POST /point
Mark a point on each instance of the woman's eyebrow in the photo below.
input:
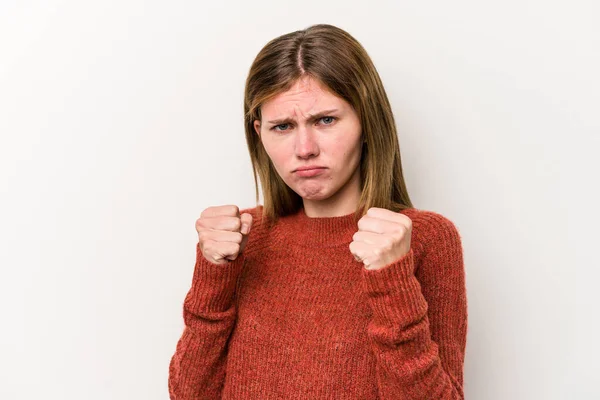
(311, 117)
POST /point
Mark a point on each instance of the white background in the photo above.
(121, 121)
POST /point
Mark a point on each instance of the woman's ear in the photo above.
(257, 126)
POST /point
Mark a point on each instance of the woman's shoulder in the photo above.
(429, 227)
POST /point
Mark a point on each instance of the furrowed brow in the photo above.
(312, 117)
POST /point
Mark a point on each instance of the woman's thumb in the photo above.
(246, 220)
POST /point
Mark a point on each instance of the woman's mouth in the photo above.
(308, 172)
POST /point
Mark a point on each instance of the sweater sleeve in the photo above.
(197, 369)
(419, 323)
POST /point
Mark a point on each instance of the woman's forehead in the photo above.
(306, 97)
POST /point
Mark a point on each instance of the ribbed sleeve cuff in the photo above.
(213, 286)
(394, 292)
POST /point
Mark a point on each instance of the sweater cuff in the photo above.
(394, 292)
(213, 285)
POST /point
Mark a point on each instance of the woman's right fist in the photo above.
(223, 233)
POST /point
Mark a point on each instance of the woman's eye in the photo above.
(328, 118)
(277, 126)
(283, 127)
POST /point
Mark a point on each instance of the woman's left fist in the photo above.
(383, 237)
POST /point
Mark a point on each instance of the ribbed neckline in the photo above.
(318, 231)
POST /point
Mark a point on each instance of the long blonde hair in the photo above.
(337, 60)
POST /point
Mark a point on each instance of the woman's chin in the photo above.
(313, 193)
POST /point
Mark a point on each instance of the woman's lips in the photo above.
(309, 172)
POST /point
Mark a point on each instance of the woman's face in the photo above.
(308, 126)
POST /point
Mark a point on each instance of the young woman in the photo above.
(337, 287)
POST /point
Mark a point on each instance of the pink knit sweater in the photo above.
(295, 316)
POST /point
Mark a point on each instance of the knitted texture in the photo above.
(295, 316)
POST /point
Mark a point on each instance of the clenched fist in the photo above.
(223, 233)
(383, 237)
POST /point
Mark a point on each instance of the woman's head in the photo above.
(308, 126)
(303, 73)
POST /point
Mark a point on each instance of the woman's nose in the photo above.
(306, 143)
